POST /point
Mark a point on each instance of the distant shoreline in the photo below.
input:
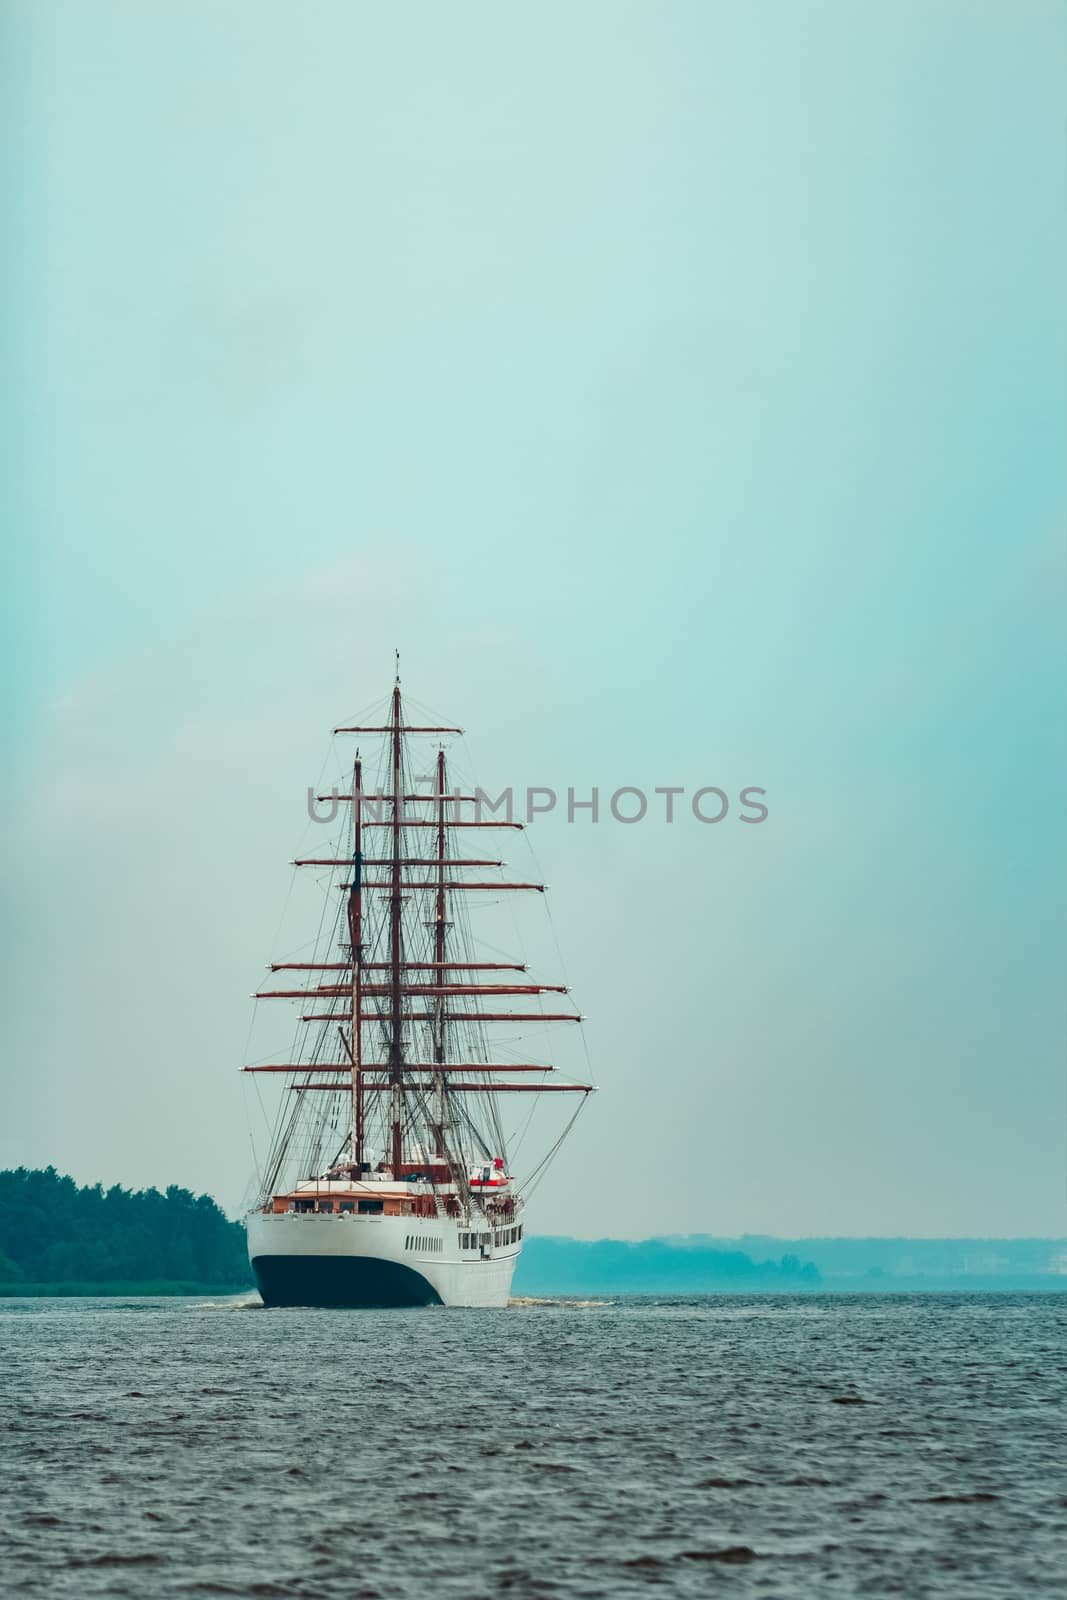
(151, 1288)
(603, 1293)
(59, 1240)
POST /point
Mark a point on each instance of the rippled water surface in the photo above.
(774, 1446)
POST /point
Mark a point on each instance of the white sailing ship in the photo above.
(417, 1204)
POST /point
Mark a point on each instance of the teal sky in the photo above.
(681, 387)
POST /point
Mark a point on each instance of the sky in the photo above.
(681, 389)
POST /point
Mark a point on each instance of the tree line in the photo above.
(53, 1231)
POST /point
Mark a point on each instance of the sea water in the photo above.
(775, 1446)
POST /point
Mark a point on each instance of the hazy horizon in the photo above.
(685, 401)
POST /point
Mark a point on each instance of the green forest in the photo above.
(88, 1240)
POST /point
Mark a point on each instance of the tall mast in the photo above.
(355, 934)
(439, 962)
(396, 955)
(377, 987)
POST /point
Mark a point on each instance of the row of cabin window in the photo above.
(365, 1208)
(471, 1241)
(413, 1242)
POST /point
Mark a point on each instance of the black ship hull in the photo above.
(355, 1281)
